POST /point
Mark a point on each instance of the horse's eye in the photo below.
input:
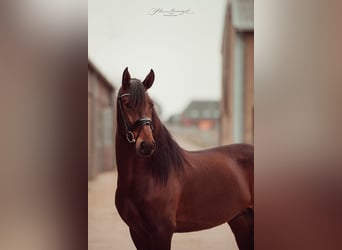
(128, 105)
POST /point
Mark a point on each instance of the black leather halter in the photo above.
(136, 125)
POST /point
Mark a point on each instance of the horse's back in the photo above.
(242, 153)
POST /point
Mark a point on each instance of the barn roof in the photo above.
(99, 74)
(239, 14)
(202, 109)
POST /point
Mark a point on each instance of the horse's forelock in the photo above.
(137, 93)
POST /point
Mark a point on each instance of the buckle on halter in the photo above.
(130, 137)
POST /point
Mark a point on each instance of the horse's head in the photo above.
(136, 109)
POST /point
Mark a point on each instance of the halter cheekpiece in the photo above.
(136, 125)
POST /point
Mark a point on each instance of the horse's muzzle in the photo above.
(146, 149)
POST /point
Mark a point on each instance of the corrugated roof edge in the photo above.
(243, 15)
(229, 14)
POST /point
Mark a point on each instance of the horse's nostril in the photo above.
(143, 145)
(147, 148)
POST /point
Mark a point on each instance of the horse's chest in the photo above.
(133, 211)
(128, 211)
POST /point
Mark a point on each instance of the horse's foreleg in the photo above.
(156, 240)
(243, 229)
(141, 242)
(161, 240)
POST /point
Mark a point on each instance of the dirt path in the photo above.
(106, 231)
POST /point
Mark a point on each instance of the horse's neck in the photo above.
(129, 166)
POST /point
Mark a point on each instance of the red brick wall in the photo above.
(249, 87)
(226, 128)
(101, 155)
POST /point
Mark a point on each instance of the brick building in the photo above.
(101, 125)
(201, 114)
(237, 106)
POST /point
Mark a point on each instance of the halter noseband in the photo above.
(137, 124)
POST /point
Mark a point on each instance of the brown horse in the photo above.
(163, 189)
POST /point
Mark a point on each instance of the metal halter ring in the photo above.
(130, 137)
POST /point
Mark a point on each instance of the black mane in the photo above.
(168, 153)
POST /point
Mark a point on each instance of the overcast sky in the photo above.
(184, 50)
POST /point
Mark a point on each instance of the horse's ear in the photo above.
(149, 79)
(126, 78)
